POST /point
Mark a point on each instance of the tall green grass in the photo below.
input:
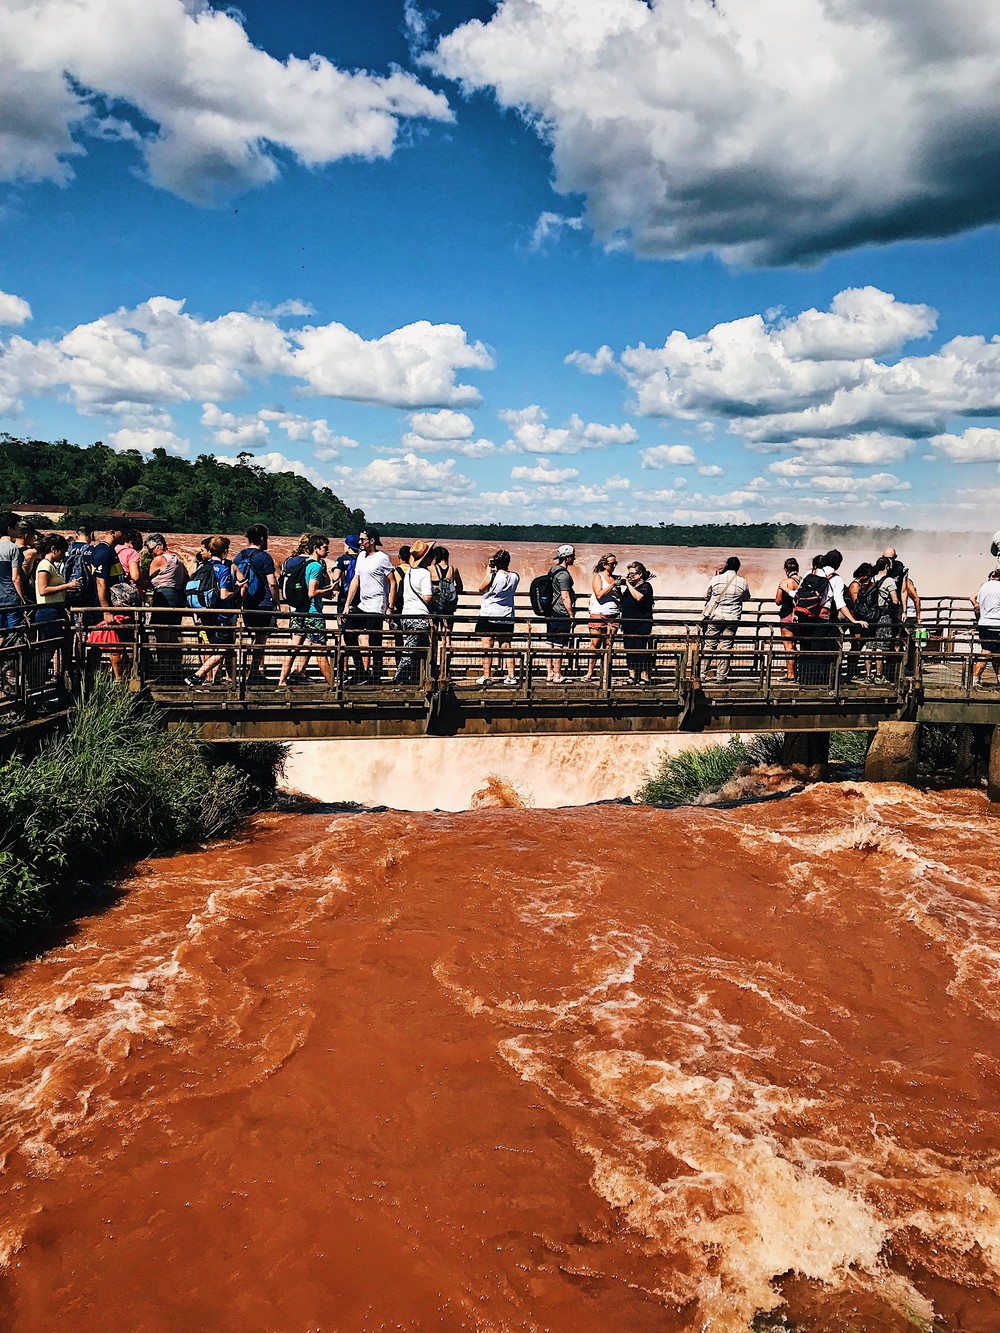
(683, 777)
(114, 786)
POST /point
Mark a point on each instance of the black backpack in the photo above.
(812, 598)
(866, 606)
(444, 597)
(79, 564)
(294, 588)
(542, 595)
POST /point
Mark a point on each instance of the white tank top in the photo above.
(605, 606)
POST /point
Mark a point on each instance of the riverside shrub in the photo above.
(114, 786)
(683, 777)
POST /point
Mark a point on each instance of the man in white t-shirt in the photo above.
(987, 607)
(368, 602)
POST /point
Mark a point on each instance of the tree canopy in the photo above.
(200, 496)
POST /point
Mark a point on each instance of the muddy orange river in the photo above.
(599, 1070)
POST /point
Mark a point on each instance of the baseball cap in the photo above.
(564, 551)
(353, 542)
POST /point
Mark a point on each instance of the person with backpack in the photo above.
(78, 568)
(447, 587)
(418, 595)
(306, 590)
(209, 589)
(257, 582)
(555, 592)
(812, 605)
(859, 601)
(724, 599)
(880, 605)
(906, 591)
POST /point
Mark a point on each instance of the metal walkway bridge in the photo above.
(761, 683)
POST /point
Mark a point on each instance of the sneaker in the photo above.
(485, 680)
(977, 685)
(510, 680)
(193, 682)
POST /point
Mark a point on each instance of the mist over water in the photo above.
(445, 773)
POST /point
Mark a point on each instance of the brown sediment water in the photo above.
(510, 1069)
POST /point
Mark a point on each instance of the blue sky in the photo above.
(542, 260)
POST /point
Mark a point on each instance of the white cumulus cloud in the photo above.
(210, 113)
(978, 444)
(667, 455)
(156, 354)
(414, 366)
(693, 126)
(530, 434)
(14, 310)
(544, 474)
(445, 431)
(148, 438)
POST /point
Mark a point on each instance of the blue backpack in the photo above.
(201, 592)
(255, 589)
(79, 564)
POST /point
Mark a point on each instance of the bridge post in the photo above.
(892, 755)
(806, 749)
(993, 777)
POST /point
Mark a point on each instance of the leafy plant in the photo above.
(117, 784)
(682, 777)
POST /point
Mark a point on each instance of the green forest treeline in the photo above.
(200, 496)
(208, 496)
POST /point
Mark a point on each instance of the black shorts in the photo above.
(989, 637)
(259, 618)
(495, 627)
(559, 630)
(366, 622)
(220, 636)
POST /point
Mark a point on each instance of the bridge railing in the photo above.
(33, 680)
(221, 658)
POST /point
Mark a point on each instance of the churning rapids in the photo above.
(601, 1070)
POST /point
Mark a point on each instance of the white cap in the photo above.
(565, 551)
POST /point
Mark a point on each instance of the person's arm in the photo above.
(911, 592)
(44, 583)
(974, 599)
(456, 574)
(488, 578)
(428, 596)
(778, 596)
(352, 591)
(17, 578)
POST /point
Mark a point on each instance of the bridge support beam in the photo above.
(806, 749)
(993, 776)
(892, 755)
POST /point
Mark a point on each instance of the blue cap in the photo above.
(353, 542)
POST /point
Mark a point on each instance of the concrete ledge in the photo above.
(892, 756)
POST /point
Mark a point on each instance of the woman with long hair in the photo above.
(605, 609)
(785, 599)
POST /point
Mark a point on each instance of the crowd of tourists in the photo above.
(383, 611)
